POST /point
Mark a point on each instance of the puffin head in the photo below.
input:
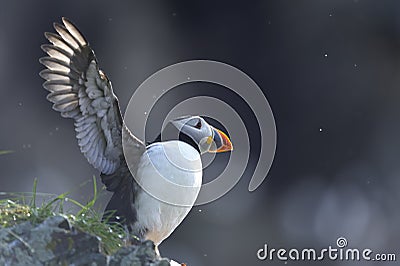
(197, 132)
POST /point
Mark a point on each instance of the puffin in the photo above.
(155, 184)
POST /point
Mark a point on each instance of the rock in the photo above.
(56, 242)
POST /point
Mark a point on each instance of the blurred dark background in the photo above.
(330, 71)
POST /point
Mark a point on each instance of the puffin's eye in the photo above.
(198, 125)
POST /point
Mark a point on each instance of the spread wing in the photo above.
(81, 91)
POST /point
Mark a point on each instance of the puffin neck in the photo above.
(170, 132)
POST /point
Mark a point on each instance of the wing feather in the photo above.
(56, 52)
(56, 64)
(58, 85)
(67, 37)
(74, 32)
(51, 75)
(58, 42)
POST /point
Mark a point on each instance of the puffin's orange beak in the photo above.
(222, 142)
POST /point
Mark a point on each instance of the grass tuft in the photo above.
(87, 219)
(5, 152)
